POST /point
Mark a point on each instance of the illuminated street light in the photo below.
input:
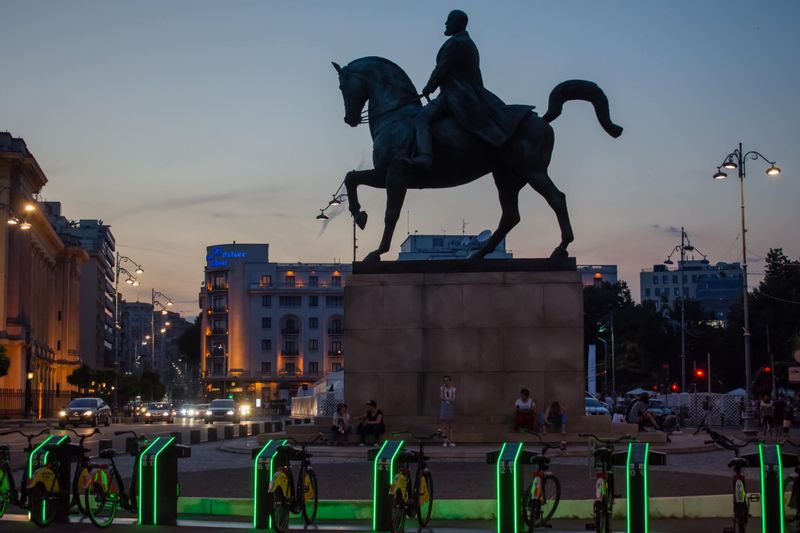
(25, 226)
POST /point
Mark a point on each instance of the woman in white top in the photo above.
(447, 397)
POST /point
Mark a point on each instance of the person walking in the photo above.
(447, 413)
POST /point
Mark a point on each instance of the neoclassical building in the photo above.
(39, 291)
(269, 328)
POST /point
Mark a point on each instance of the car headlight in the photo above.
(229, 413)
(165, 413)
(192, 412)
(183, 412)
(209, 413)
(147, 414)
(88, 413)
(245, 409)
(62, 413)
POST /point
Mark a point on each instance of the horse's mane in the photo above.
(363, 63)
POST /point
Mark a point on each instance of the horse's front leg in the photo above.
(352, 180)
(395, 196)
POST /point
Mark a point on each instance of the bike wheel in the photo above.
(77, 494)
(43, 505)
(280, 511)
(740, 517)
(532, 512)
(424, 499)
(601, 518)
(101, 505)
(5, 491)
(308, 495)
(551, 495)
(398, 523)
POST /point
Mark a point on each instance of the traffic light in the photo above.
(674, 387)
(699, 373)
(767, 369)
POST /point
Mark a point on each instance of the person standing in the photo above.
(447, 398)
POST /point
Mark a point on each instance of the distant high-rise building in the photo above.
(594, 275)
(138, 326)
(97, 287)
(425, 247)
(715, 287)
(269, 328)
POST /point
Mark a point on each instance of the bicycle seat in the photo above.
(108, 453)
(542, 460)
(602, 452)
(738, 461)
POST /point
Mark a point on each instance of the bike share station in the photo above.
(637, 459)
(265, 460)
(158, 480)
(770, 461)
(58, 480)
(382, 479)
(509, 481)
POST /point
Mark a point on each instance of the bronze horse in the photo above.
(459, 157)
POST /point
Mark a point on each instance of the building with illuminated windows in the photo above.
(269, 328)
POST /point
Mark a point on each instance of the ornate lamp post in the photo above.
(339, 198)
(129, 280)
(733, 161)
(154, 300)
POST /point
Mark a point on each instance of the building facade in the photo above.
(40, 282)
(715, 287)
(269, 328)
(97, 286)
(419, 247)
(596, 275)
(138, 324)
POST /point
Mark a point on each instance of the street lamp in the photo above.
(737, 160)
(156, 298)
(130, 280)
(337, 199)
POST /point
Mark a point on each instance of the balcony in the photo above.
(218, 331)
(290, 353)
(216, 310)
(335, 353)
(336, 331)
(290, 331)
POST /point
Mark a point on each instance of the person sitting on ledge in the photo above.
(340, 428)
(554, 419)
(524, 411)
(638, 413)
(371, 424)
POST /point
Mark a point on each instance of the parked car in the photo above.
(159, 412)
(659, 410)
(222, 410)
(593, 406)
(90, 411)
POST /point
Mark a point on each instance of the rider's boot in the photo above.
(424, 161)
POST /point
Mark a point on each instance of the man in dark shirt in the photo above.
(371, 424)
(638, 413)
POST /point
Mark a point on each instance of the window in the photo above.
(266, 301)
(675, 291)
(219, 304)
(658, 292)
(266, 279)
(290, 348)
(266, 322)
(219, 281)
(289, 301)
(438, 242)
(289, 368)
(290, 280)
(675, 278)
(313, 345)
(313, 301)
(313, 367)
(336, 281)
(290, 326)
(217, 369)
(313, 281)
(59, 316)
(655, 280)
(58, 345)
(266, 345)
(647, 293)
(336, 327)
(335, 367)
(266, 367)
(313, 323)
(220, 326)
(665, 279)
(336, 348)
(218, 350)
(334, 301)
(694, 278)
(684, 278)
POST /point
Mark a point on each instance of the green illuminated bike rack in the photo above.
(509, 482)
(770, 462)
(639, 457)
(382, 477)
(58, 445)
(158, 481)
(265, 459)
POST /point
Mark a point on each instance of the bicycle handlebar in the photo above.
(29, 437)
(790, 443)
(320, 436)
(723, 441)
(85, 435)
(608, 441)
(437, 433)
(118, 433)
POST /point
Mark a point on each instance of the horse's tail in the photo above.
(581, 90)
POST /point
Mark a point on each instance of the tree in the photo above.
(5, 361)
(151, 387)
(81, 377)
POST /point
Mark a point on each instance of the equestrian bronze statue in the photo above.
(460, 136)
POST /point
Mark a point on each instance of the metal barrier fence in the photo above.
(317, 405)
(12, 402)
(726, 409)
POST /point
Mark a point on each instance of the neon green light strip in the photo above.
(391, 461)
(272, 473)
(780, 488)
(628, 486)
(141, 454)
(255, 481)
(33, 453)
(155, 478)
(763, 499)
(44, 460)
(516, 497)
(48, 452)
(497, 482)
(375, 487)
(646, 495)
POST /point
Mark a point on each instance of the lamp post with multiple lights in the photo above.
(130, 279)
(737, 160)
(155, 300)
(337, 199)
(13, 219)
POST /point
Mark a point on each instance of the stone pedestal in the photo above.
(516, 324)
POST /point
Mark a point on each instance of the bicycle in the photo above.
(412, 498)
(8, 489)
(604, 494)
(741, 501)
(80, 478)
(105, 491)
(541, 497)
(288, 497)
(46, 496)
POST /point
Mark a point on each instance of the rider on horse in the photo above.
(463, 96)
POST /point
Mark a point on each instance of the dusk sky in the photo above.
(189, 123)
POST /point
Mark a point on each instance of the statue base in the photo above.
(504, 326)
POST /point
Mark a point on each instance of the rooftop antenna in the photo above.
(463, 227)
(408, 222)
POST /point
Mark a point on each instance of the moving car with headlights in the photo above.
(159, 412)
(188, 410)
(90, 411)
(222, 410)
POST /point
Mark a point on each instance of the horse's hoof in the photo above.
(360, 219)
(559, 253)
(372, 257)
